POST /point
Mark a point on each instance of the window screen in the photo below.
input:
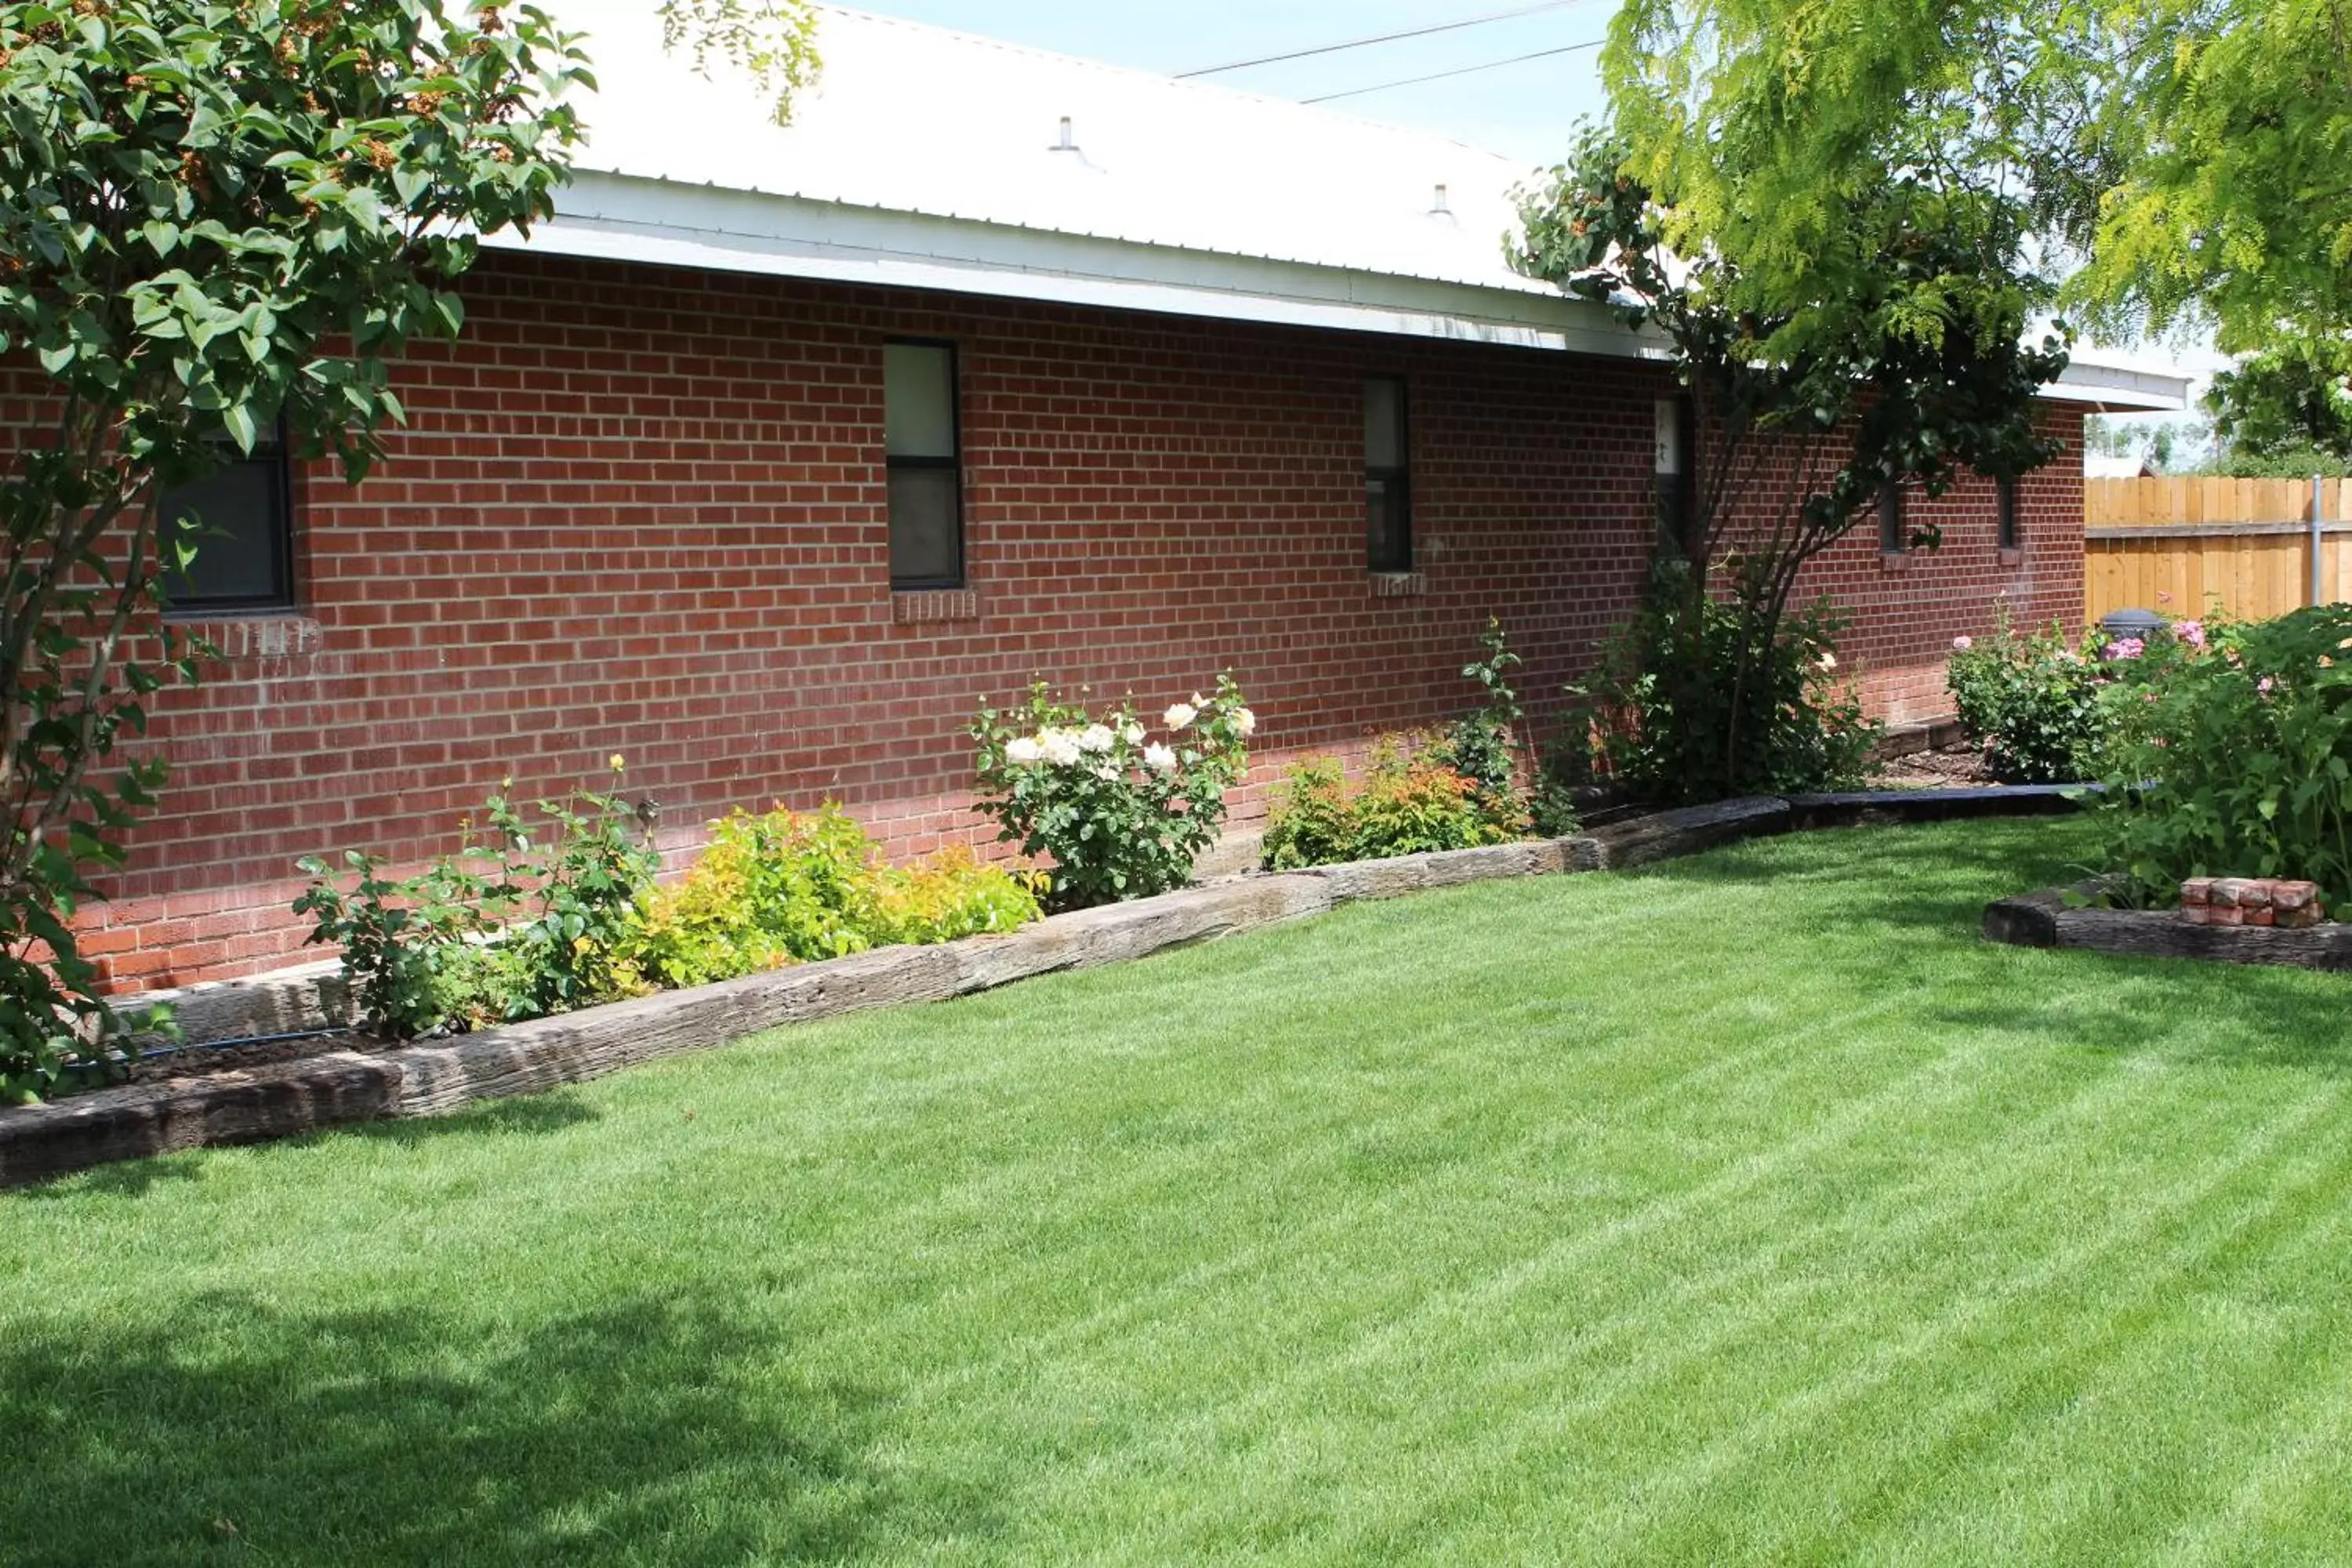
(918, 393)
(2005, 512)
(1894, 532)
(244, 543)
(1388, 481)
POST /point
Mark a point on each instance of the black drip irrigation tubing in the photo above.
(156, 1052)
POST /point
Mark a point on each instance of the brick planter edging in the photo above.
(2043, 920)
(283, 1099)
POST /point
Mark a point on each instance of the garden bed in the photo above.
(347, 1079)
(2056, 917)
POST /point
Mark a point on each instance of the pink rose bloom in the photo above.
(1962, 644)
(2191, 632)
(2265, 686)
(2124, 647)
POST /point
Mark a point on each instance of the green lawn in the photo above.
(1752, 1210)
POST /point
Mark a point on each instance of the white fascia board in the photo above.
(2119, 389)
(624, 219)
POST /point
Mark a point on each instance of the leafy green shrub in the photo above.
(1668, 717)
(531, 922)
(1122, 816)
(793, 887)
(1313, 819)
(1408, 804)
(2032, 702)
(2231, 755)
(1483, 746)
(1552, 810)
(567, 895)
(409, 958)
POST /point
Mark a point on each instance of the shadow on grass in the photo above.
(641, 1430)
(555, 1111)
(1936, 877)
(526, 1115)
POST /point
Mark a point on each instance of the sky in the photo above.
(1523, 110)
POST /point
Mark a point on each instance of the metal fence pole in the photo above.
(2318, 576)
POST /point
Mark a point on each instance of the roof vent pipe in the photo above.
(1437, 206)
(1068, 143)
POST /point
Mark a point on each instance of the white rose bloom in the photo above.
(1246, 722)
(1159, 758)
(1061, 747)
(1134, 733)
(1095, 737)
(1023, 750)
(1107, 772)
(1180, 715)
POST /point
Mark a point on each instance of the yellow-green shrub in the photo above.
(791, 886)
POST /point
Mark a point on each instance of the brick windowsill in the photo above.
(921, 606)
(286, 635)
(1398, 585)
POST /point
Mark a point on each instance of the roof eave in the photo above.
(623, 217)
(630, 218)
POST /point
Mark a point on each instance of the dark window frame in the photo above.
(2007, 532)
(283, 596)
(1678, 493)
(952, 464)
(1893, 527)
(1396, 481)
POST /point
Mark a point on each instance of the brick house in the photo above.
(783, 449)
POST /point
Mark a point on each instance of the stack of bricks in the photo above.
(2249, 901)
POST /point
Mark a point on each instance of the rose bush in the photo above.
(2230, 755)
(1123, 816)
(2032, 701)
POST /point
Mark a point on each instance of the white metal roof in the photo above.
(934, 159)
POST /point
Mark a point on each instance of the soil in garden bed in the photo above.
(1954, 767)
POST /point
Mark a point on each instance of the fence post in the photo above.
(2318, 572)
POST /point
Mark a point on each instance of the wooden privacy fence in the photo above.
(2180, 545)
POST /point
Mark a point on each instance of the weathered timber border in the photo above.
(284, 1099)
(2043, 920)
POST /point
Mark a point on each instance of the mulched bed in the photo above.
(1957, 767)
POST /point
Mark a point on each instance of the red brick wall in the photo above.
(641, 511)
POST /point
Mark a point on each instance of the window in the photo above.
(2005, 512)
(1894, 535)
(1388, 482)
(245, 547)
(1673, 421)
(920, 442)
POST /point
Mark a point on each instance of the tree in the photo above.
(2225, 140)
(215, 219)
(2183, 159)
(1899, 360)
(774, 40)
(2286, 407)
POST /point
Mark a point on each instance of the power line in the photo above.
(1462, 70)
(1383, 38)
